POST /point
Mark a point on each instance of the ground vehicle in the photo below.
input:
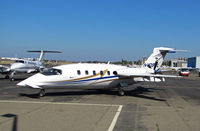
(184, 72)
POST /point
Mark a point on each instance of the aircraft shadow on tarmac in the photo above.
(137, 92)
(16, 79)
(141, 91)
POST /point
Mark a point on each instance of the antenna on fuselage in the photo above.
(42, 52)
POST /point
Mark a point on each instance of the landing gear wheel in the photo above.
(12, 79)
(7, 77)
(121, 92)
(42, 93)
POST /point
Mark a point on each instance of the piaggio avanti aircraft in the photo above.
(99, 76)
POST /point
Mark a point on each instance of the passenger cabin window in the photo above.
(94, 72)
(108, 72)
(19, 61)
(115, 72)
(32, 63)
(101, 72)
(86, 72)
(78, 72)
(52, 71)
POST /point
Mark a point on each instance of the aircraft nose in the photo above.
(15, 66)
(31, 81)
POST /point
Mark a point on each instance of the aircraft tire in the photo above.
(121, 92)
(12, 79)
(42, 93)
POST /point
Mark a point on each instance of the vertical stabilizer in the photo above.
(154, 62)
(41, 55)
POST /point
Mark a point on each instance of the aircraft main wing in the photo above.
(146, 75)
(4, 69)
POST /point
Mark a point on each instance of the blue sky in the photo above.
(98, 29)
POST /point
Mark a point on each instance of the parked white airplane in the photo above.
(25, 65)
(99, 76)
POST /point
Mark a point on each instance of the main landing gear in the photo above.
(121, 91)
(42, 92)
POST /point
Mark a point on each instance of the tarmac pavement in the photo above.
(173, 105)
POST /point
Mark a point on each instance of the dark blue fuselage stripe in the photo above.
(96, 78)
(79, 81)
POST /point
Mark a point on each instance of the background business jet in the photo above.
(25, 65)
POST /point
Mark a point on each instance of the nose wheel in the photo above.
(42, 93)
(11, 76)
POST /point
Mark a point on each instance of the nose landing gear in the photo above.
(121, 87)
(11, 75)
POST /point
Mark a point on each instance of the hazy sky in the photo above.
(98, 29)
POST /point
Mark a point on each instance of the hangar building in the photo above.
(194, 62)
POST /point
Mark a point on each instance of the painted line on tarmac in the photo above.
(114, 121)
(61, 103)
(112, 125)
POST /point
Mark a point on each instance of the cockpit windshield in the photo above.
(19, 61)
(52, 71)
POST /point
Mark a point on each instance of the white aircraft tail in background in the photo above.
(42, 52)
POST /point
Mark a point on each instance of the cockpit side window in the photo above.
(52, 71)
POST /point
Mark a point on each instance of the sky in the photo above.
(104, 30)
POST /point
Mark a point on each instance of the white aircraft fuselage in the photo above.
(26, 66)
(87, 76)
(81, 75)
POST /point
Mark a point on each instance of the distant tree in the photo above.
(139, 62)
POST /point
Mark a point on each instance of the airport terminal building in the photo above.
(194, 62)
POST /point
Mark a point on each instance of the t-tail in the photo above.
(155, 60)
(42, 52)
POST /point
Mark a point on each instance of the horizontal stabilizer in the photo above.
(44, 51)
(182, 50)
